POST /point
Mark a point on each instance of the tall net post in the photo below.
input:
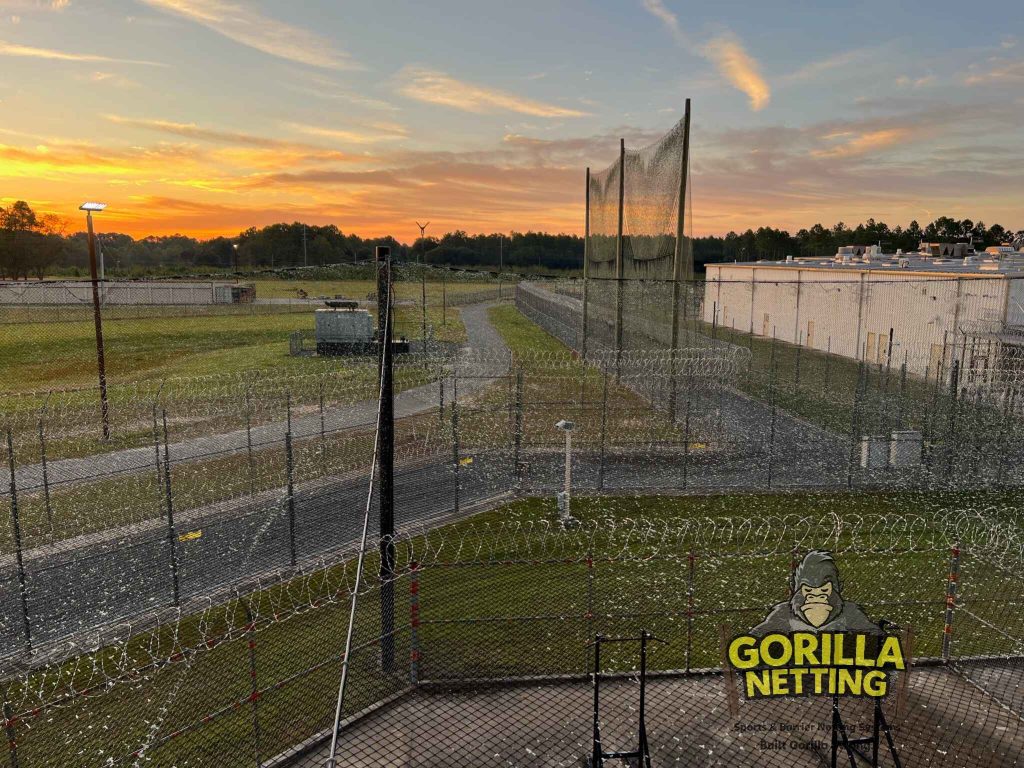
(386, 462)
(586, 260)
(677, 259)
(618, 260)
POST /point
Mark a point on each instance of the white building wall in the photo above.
(852, 312)
(112, 292)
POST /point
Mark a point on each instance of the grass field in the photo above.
(492, 618)
(157, 343)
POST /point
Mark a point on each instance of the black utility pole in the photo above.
(386, 460)
(101, 364)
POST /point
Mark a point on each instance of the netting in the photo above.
(651, 210)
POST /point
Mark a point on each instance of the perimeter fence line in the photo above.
(203, 492)
(225, 683)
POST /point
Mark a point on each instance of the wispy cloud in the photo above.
(740, 69)
(725, 52)
(670, 20)
(1000, 71)
(248, 26)
(27, 51)
(815, 69)
(369, 134)
(864, 143)
(439, 88)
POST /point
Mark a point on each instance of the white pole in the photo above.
(568, 465)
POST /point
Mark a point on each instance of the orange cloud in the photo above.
(26, 51)
(247, 26)
(740, 69)
(439, 88)
(864, 142)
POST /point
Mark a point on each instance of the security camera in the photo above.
(566, 426)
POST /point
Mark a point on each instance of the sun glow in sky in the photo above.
(206, 117)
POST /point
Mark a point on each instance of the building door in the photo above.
(765, 325)
(870, 350)
(810, 334)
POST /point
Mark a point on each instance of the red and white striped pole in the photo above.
(952, 584)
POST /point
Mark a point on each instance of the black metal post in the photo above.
(954, 394)
(12, 742)
(828, 362)
(518, 428)
(172, 536)
(423, 293)
(46, 476)
(386, 459)
(771, 441)
(18, 551)
(101, 365)
(290, 467)
(248, 442)
(323, 428)
(686, 424)
(604, 429)
(254, 688)
(619, 256)
(456, 449)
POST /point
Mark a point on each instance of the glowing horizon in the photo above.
(262, 121)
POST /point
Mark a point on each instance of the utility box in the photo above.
(874, 452)
(906, 448)
(341, 329)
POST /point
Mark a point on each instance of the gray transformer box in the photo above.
(343, 331)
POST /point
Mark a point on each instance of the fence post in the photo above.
(323, 428)
(854, 425)
(254, 688)
(444, 300)
(440, 401)
(590, 603)
(952, 586)
(46, 477)
(954, 387)
(248, 440)
(828, 362)
(414, 622)
(290, 462)
(604, 430)
(19, 554)
(796, 373)
(686, 425)
(771, 439)
(691, 564)
(423, 293)
(518, 433)
(172, 536)
(455, 436)
(12, 743)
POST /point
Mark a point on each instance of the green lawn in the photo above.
(518, 603)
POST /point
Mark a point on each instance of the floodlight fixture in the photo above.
(565, 425)
(91, 207)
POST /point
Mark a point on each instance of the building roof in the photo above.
(903, 265)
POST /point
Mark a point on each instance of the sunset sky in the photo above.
(205, 117)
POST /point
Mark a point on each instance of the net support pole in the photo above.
(679, 270)
(586, 259)
(619, 267)
(386, 461)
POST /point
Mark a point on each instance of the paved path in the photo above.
(481, 335)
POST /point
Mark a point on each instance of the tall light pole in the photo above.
(423, 236)
(305, 256)
(97, 317)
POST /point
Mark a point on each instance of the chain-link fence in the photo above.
(179, 594)
(175, 327)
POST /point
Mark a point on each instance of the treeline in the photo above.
(32, 245)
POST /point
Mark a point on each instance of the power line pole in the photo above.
(305, 256)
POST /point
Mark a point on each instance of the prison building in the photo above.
(125, 292)
(884, 309)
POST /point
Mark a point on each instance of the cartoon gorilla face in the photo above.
(817, 591)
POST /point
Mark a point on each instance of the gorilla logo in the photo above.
(817, 604)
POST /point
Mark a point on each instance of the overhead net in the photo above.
(650, 207)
